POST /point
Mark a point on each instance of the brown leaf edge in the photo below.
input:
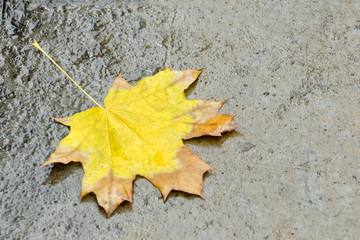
(187, 178)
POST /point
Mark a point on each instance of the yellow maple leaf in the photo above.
(140, 132)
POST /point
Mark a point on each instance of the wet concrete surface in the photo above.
(290, 70)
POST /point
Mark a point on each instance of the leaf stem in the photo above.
(38, 47)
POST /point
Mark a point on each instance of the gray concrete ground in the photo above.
(291, 72)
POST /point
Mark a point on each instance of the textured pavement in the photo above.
(291, 72)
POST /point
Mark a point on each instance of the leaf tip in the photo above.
(202, 196)
(196, 73)
(111, 210)
(223, 102)
(44, 164)
(234, 124)
(120, 83)
(83, 195)
(65, 121)
(210, 168)
(165, 195)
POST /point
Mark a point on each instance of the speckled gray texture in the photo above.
(291, 72)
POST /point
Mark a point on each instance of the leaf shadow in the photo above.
(124, 207)
(60, 172)
(191, 88)
(213, 140)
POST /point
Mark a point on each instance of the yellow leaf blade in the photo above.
(141, 132)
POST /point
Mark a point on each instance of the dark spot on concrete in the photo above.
(246, 146)
(281, 110)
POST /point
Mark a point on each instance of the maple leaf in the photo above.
(140, 132)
